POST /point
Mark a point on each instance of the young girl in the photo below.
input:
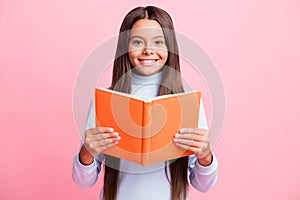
(146, 65)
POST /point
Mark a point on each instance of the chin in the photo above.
(147, 71)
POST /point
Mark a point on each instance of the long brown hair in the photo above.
(171, 83)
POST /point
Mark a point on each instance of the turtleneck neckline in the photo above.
(141, 79)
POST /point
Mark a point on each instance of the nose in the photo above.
(148, 50)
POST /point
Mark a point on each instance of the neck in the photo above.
(142, 79)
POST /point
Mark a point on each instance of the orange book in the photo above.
(147, 128)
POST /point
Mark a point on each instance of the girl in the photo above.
(146, 65)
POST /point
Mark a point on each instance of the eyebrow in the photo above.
(155, 37)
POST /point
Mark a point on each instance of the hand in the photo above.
(197, 141)
(96, 141)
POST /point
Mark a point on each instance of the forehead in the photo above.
(146, 28)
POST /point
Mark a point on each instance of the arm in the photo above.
(203, 165)
(87, 163)
(86, 176)
(203, 178)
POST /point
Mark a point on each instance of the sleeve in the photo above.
(86, 176)
(202, 178)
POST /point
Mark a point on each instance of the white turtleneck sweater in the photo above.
(138, 182)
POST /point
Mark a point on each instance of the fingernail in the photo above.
(175, 140)
(111, 129)
(118, 138)
(116, 133)
(176, 135)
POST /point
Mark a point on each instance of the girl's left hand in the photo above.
(197, 141)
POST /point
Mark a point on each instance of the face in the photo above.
(147, 48)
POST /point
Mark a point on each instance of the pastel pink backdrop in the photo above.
(254, 44)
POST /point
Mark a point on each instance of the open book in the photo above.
(147, 128)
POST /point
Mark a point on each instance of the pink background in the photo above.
(254, 44)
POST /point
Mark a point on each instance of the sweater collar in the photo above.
(152, 79)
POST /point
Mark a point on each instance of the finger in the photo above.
(103, 143)
(186, 147)
(96, 150)
(189, 143)
(101, 136)
(104, 129)
(93, 131)
(183, 146)
(102, 148)
(187, 130)
(195, 150)
(108, 141)
(193, 130)
(189, 136)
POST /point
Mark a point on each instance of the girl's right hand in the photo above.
(96, 141)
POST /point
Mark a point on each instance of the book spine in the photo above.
(146, 140)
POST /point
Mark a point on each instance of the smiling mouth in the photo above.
(147, 61)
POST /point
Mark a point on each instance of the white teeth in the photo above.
(148, 61)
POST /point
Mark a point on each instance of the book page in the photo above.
(125, 116)
(176, 112)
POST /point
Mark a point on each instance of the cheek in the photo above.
(132, 55)
(164, 55)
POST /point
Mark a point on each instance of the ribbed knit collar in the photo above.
(152, 79)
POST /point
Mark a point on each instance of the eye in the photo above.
(159, 42)
(137, 42)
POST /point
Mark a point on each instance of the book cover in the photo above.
(147, 128)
